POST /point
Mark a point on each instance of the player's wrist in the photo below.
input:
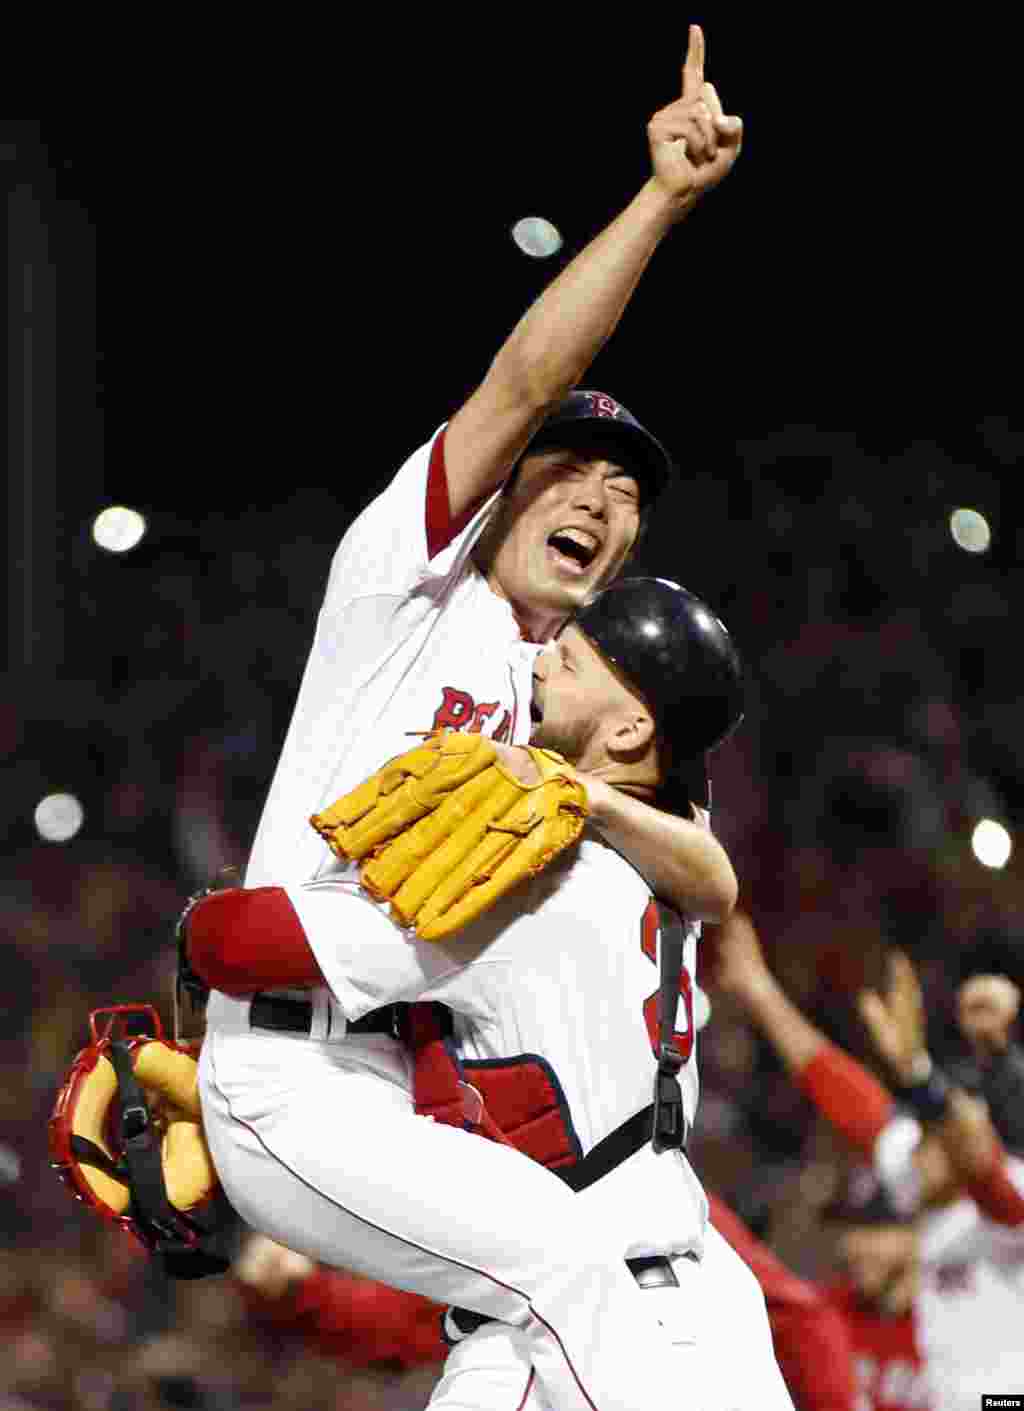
(601, 800)
(918, 1068)
(923, 1088)
(662, 207)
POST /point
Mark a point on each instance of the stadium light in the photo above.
(118, 529)
(991, 843)
(58, 817)
(970, 531)
(537, 237)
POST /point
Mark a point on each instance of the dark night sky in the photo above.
(302, 266)
(284, 260)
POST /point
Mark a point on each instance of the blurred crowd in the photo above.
(881, 727)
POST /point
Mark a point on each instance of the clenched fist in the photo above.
(693, 142)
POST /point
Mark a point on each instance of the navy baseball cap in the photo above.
(584, 415)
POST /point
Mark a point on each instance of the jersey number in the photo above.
(682, 1038)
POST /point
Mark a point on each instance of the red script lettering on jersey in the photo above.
(459, 711)
(682, 1038)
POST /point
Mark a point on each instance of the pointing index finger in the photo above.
(693, 65)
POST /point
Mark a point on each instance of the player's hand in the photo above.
(987, 1008)
(269, 1268)
(736, 960)
(897, 1024)
(693, 143)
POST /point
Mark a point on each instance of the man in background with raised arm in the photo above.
(934, 1151)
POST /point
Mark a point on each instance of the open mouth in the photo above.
(574, 549)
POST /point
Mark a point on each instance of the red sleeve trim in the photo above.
(441, 528)
(995, 1194)
(247, 939)
(847, 1095)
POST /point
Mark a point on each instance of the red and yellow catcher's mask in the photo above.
(126, 1137)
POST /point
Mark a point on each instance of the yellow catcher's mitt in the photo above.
(445, 829)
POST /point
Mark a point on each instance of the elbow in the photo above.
(714, 899)
(722, 898)
(530, 378)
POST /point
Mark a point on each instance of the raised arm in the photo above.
(962, 1123)
(843, 1090)
(693, 145)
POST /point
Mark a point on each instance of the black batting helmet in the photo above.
(680, 657)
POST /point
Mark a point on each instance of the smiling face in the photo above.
(562, 531)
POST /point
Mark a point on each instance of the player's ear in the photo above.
(630, 734)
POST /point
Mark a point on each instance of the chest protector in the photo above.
(519, 1100)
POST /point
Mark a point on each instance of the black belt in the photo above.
(286, 1015)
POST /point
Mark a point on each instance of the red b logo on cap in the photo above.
(602, 405)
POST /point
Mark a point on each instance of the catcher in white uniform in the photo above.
(555, 997)
(430, 597)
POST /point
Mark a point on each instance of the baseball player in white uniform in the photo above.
(431, 595)
(574, 978)
(562, 978)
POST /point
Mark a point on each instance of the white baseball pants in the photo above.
(327, 1156)
(716, 1321)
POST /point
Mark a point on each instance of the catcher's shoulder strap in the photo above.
(663, 1122)
(671, 1129)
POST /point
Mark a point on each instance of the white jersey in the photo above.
(565, 967)
(405, 642)
(576, 981)
(313, 1131)
(971, 1305)
(574, 977)
(970, 1309)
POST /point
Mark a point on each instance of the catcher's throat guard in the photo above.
(126, 1138)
